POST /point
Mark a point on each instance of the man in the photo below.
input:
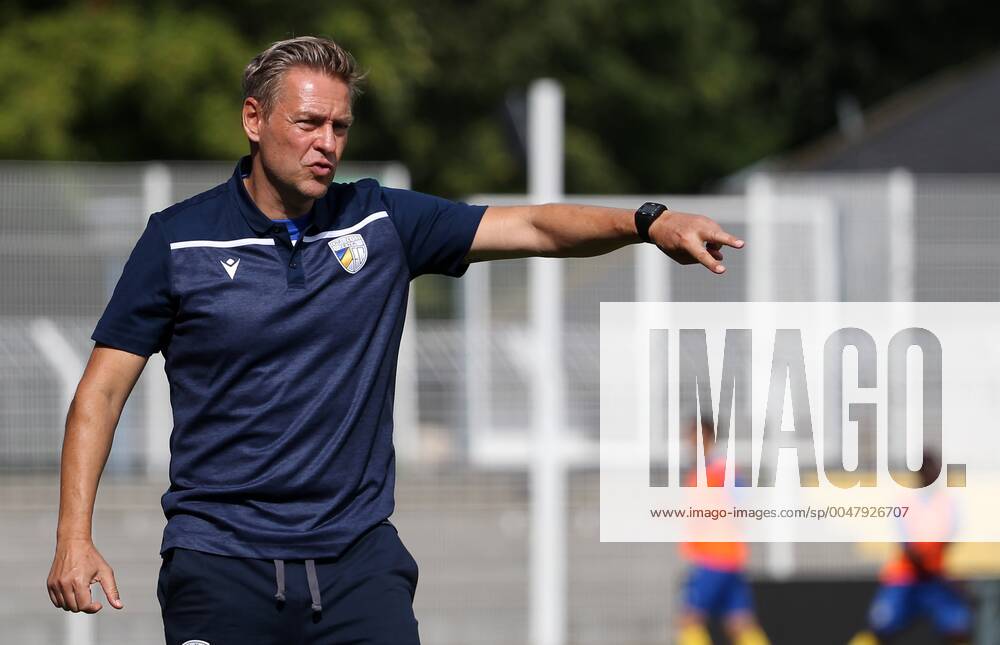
(716, 585)
(914, 583)
(278, 301)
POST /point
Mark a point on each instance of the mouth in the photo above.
(321, 169)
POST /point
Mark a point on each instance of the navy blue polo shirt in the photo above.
(281, 359)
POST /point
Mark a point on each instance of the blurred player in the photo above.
(716, 585)
(914, 583)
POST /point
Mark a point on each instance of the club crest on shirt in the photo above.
(351, 251)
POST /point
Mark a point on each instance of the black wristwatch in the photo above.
(645, 216)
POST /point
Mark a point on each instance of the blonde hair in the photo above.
(262, 76)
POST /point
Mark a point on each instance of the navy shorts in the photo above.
(363, 596)
(715, 593)
(896, 606)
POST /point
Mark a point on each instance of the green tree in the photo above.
(119, 84)
(660, 96)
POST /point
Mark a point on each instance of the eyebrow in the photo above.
(316, 116)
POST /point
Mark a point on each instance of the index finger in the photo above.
(719, 236)
(110, 587)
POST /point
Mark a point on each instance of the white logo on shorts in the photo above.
(196, 642)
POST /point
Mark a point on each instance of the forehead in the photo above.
(304, 88)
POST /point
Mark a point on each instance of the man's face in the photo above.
(302, 138)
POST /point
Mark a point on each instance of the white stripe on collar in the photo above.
(268, 241)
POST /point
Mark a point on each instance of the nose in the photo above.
(326, 139)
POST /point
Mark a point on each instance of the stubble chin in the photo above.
(315, 188)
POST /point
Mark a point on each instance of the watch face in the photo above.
(652, 208)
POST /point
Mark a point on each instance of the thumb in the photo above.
(107, 579)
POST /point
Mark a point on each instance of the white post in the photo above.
(476, 321)
(156, 188)
(406, 413)
(652, 274)
(902, 206)
(761, 205)
(68, 366)
(406, 407)
(548, 479)
(652, 284)
(760, 238)
(902, 197)
(57, 351)
(826, 252)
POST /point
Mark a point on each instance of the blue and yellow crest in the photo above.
(351, 252)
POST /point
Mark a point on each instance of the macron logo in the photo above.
(230, 265)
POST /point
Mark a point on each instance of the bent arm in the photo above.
(571, 230)
(90, 427)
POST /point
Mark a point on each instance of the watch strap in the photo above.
(645, 215)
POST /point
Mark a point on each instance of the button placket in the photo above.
(296, 277)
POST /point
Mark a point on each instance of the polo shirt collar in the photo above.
(256, 219)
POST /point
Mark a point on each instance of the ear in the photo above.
(253, 119)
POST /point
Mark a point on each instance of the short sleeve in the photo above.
(436, 233)
(139, 317)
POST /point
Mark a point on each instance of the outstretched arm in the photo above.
(570, 230)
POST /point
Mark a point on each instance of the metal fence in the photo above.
(466, 408)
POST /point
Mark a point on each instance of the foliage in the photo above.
(660, 96)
